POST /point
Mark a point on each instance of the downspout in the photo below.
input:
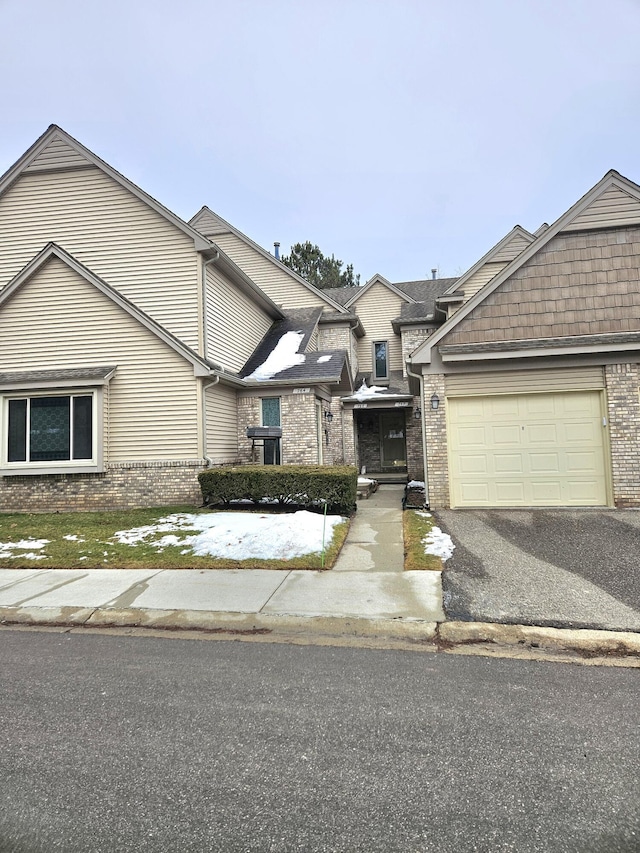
(205, 264)
(213, 382)
(424, 441)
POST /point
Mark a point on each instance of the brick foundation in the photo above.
(122, 486)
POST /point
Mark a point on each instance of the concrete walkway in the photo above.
(375, 542)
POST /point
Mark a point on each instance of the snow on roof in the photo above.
(284, 355)
(368, 392)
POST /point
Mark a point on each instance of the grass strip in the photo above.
(415, 526)
(93, 546)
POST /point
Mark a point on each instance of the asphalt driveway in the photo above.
(563, 568)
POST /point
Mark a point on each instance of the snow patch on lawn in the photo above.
(438, 543)
(29, 545)
(237, 535)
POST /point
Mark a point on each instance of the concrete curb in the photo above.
(584, 642)
(414, 630)
(476, 637)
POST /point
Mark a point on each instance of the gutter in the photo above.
(424, 440)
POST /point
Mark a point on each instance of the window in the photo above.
(50, 432)
(380, 360)
(271, 417)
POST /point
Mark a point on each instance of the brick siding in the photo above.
(623, 401)
(122, 486)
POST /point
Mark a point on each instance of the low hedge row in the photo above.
(306, 486)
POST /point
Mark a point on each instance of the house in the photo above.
(137, 348)
(534, 375)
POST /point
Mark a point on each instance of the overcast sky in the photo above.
(399, 135)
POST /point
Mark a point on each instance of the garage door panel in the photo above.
(474, 494)
(544, 463)
(542, 433)
(544, 449)
(509, 434)
(472, 464)
(509, 493)
(507, 463)
(545, 492)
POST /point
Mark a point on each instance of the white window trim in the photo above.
(73, 466)
(373, 354)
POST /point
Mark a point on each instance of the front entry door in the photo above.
(393, 444)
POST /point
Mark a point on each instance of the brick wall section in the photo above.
(333, 453)
(622, 381)
(122, 486)
(435, 427)
(578, 284)
(298, 419)
(299, 429)
(415, 459)
(411, 340)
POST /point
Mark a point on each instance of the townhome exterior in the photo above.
(137, 349)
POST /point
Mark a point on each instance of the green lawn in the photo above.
(95, 548)
(415, 528)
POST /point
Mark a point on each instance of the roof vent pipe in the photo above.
(434, 273)
(276, 247)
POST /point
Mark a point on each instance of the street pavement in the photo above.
(565, 568)
(150, 744)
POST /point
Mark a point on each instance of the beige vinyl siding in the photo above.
(613, 207)
(222, 424)
(108, 229)
(312, 346)
(511, 249)
(525, 381)
(59, 320)
(235, 324)
(481, 277)
(282, 288)
(58, 154)
(376, 308)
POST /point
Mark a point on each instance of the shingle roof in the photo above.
(318, 366)
(66, 376)
(424, 290)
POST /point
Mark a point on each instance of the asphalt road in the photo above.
(564, 568)
(112, 743)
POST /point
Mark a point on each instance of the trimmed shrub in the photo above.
(302, 486)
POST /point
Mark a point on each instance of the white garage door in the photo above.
(527, 450)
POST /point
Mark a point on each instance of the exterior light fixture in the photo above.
(417, 413)
(328, 415)
(435, 401)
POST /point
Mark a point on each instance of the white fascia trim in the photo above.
(612, 178)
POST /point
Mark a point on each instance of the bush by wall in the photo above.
(306, 486)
